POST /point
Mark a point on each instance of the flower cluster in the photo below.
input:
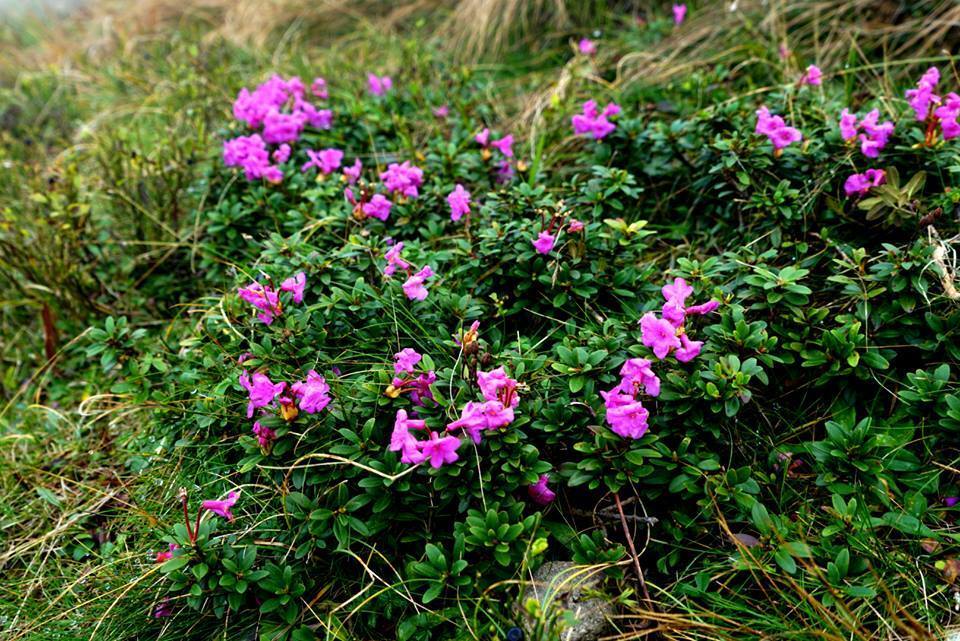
(405, 178)
(590, 121)
(267, 299)
(626, 414)
(875, 134)
(326, 161)
(459, 201)
(407, 379)
(415, 285)
(934, 110)
(776, 130)
(280, 109)
(860, 184)
(310, 395)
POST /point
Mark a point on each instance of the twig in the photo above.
(633, 552)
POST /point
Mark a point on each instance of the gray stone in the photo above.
(560, 586)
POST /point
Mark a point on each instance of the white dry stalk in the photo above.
(945, 258)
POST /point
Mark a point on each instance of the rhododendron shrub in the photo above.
(436, 355)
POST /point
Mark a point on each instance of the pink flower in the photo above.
(394, 261)
(637, 373)
(922, 98)
(459, 201)
(848, 125)
(313, 393)
(775, 129)
(594, 123)
(413, 287)
(265, 435)
(544, 242)
(295, 285)
(281, 154)
(504, 145)
(678, 290)
(377, 207)
(813, 76)
(860, 184)
(353, 172)
(222, 508)
(947, 114)
(659, 335)
(406, 360)
(477, 417)
(442, 111)
(497, 386)
(587, 47)
(401, 440)
(166, 555)
(483, 138)
(615, 398)
(264, 298)
(250, 154)
(319, 88)
(679, 13)
(261, 390)
(702, 309)
(440, 450)
(574, 226)
(628, 420)
(540, 493)
(280, 127)
(405, 178)
(327, 160)
(689, 349)
(420, 387)
(379, 85)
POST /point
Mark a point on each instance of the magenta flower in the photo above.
(406, 360)
(327, 160)
(860, 184)
(352, 172)
(295, 285)
(679, 13)
(313, 393)
(281, 154)
(505, 171)
(377, 207)
(260, 389)
(420, 387)
(459, 201)
(539, 492)
(442, 111)
(679, 290)
(848, 125)
(405, 178)
(587, 47)
(483, 138)
(477, 417)
(265, 435)
(264, 298)
(703, 309)
(689, 349)
(250, 154)
(947, 115)
(280, 127)
(544, 242)
(776, 130)
(504, 145)
(574, 226)
(589, 121)
(628, 420)
(659, 335)
(637, 373)
(379, 85)
(413, 287)
(440, 450)
(951, 501)
(319, 88)
(922, 98)
(222, 508)
(394, 261)
(813, 76)
(164, 608)
(401, 440)
(497, 386)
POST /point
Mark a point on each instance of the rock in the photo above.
(559, 586)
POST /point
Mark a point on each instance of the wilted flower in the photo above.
(265, 435)
(540, 493)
